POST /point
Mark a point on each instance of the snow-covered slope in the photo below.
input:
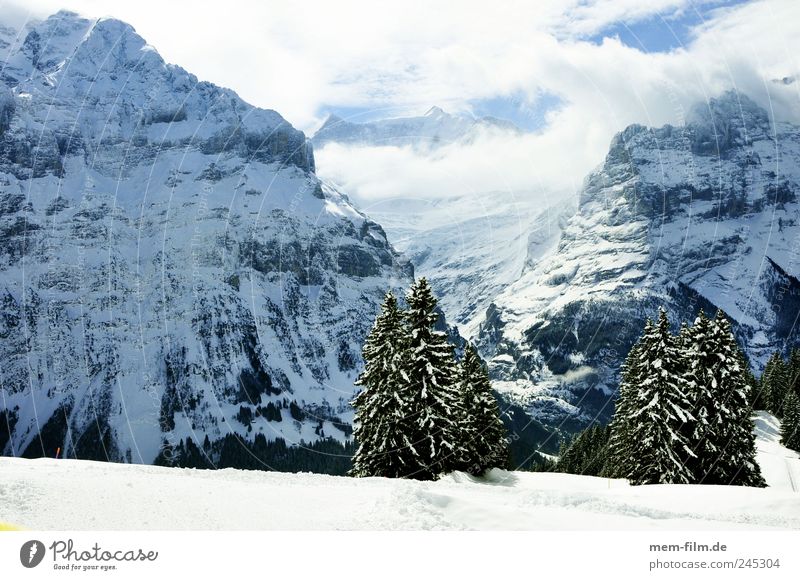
(429, 131)
(779, 466)
(471, 247)
(123, 497)
(170, 265)
(700, 216)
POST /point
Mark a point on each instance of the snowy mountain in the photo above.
(470, 247)
(113, 495)
(433, 129)
(699, 216)
(170, 265)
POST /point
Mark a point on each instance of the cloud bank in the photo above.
(301, 58)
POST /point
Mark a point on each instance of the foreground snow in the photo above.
(779, 466)
(85, 495)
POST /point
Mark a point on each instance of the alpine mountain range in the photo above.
(172, 267)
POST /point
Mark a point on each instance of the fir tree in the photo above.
(586, 454)
(793, 371)
(761, 397)
(379, 411)
(620, 445)
(700, 355)
(683, 412)
(660, 409)
(482, 427)
(722, 439)
(431, 405)
(775, 382)
(790, 426)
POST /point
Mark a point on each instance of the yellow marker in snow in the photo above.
(8, 527)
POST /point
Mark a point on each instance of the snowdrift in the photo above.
(87, 495)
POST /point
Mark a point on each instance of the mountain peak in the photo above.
(232, 188)
(73, 58)
(51, 41)
(730, 105)
(436, 112)
(726, 120)
(114, 26)
(712, 128)
(331, 121)
(65, 14)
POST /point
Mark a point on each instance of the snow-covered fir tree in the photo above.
(660, 409)
(683, 414)
(700, 363)
(790, 426)
(378, 425)
(620, 445)
(722, 438)
(482, 426)
(433, 408)
(775, 384)
(421, 414)
(740, 453)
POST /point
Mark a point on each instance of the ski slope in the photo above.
(780, 466)
(84, 495)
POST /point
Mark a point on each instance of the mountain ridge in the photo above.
(172, 267)
(701, 215)
(436, 128)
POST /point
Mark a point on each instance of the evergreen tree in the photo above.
(431, 406)
(700, 360)
(379, 411)
(482, 427)
(683, 412)
(793, 374)
(761, 398)
(620, 445)
(586, 454)
(722, 438)
(790, 426)
(661, 408)
(775, 381)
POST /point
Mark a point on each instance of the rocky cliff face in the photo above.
(699, 216)
(170, 265)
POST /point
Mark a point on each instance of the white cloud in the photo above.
(296, 57)
(604, 88)
(494, 163)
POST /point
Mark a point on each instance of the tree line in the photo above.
(421, 412)
(683, 414)
(779, 393)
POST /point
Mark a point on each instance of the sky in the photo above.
(570, 73)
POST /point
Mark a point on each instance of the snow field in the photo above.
(84, 495)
